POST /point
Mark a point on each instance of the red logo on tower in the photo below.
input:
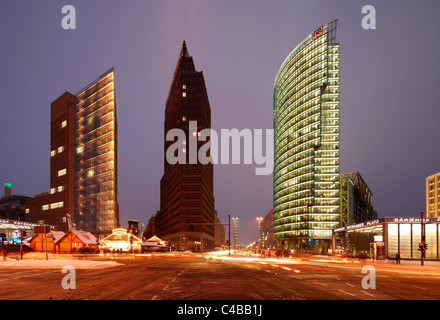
(317, 32)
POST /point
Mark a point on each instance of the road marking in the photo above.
(420, 287)
(349, 284)
(322, 284)
(166, 287)
(319, 268)
(372, 295)
(348, 293)
(257, 296)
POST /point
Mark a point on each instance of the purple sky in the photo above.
(388, 82)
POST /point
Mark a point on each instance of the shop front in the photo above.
(391, 236)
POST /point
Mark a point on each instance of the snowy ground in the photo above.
(38, 260)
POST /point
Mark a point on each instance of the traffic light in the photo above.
(426, 246)
(421, 246)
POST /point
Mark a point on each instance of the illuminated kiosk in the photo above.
(121, 240)
(388, 236)
(306, 144)
(154, 244)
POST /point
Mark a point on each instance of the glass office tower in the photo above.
(306, 143)
(96, 207)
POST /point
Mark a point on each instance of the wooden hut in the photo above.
(76, 241)
(38, 241)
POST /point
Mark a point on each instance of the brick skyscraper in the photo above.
(186, 217)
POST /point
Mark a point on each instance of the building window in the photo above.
(184, 94)
(45, 207)
(57, 205)
(80, 149)
(64, 124)
(53, 190)
(60, 188)
(27, 210)
(60, 149)
(90, 173)
(61, 172)
(183, 118)
(183, 86)
(53, 152)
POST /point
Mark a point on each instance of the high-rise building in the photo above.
(268, 230)
(433, 196)
(96, 207)
(82, 162)
(306, 142)
(356, 200)
(186, 217)
(55, 207)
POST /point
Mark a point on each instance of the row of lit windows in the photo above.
(318, 210)
(306, 89)
(58, 189)
(299, 80)
(57, 151)
(54, 205)
(307, 216)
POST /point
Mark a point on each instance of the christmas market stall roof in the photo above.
(53, 236)
(155, 239)
(38, 240)
(76, 239)
(121, 234)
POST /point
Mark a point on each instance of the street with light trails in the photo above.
(223, 277)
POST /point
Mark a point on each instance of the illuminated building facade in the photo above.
(390, 236)
(356, 199)
(186, 217)
(96, 207)
(83, 162)
(433, 196)
(306, 142)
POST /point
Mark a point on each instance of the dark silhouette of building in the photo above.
(12, 206)
(186, 217)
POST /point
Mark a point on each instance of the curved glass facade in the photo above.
(306, 142)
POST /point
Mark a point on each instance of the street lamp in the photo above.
(259, 231)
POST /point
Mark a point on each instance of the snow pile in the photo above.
(58, 263)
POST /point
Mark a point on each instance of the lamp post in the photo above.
(259, 232)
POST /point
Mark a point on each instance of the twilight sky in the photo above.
(388, 89)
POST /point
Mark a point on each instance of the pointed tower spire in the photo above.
(184, 50)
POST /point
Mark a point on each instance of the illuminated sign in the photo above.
(317, 32)
(8, 185)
